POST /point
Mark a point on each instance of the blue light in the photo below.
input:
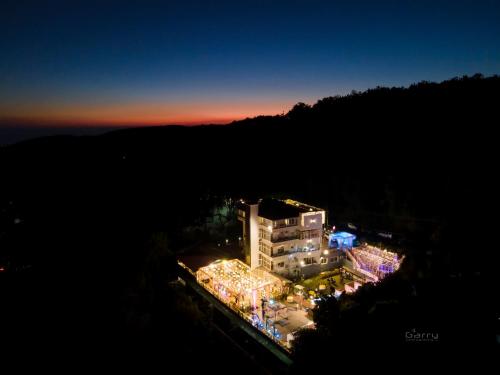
(341, 240)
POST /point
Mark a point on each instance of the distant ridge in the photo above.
(431, 97)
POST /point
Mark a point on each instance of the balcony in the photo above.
(283, 225)
(314, 252)
(279, 239)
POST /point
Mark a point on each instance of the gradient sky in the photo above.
(104, 63)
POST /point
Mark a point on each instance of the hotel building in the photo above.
(285, 237)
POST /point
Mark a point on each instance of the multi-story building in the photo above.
(285, 237)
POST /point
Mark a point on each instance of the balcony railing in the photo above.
(284, 238)
(293, 251)
(283, 225)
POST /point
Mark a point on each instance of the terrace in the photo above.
(255, 296)
(236, 284)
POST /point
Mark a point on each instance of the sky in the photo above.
(130, 63)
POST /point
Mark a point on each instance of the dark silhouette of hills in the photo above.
(405, 160)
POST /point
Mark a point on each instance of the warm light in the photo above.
(309, 253)
(325, 252)
(302, 263)
(269, 227)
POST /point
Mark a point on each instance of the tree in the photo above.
(326, 315)
(299, 112)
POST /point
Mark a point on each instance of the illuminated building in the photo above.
(284, 237)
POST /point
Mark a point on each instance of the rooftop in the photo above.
(274, 209)
(343, 235)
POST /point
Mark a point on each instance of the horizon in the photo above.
(13, 131)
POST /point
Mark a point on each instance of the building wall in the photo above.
(247, 215)
(299, 237)
(254, 236)
(243, 211)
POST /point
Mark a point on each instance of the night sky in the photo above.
(107, 63)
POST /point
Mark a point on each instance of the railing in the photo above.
(283, 225)
(284, 238)
(290, 252)
(277, 348)
(243, 315)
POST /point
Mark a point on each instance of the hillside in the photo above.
(404, 160)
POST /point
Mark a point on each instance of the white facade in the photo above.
(288, 245)
(254, 237)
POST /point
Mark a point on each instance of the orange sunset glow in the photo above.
(145, 113)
